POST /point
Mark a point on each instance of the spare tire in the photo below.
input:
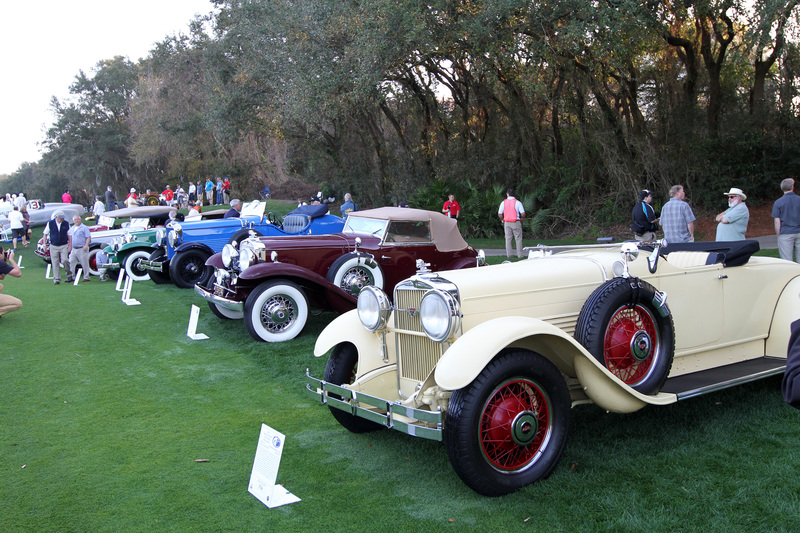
(631, 335)
(354, 271)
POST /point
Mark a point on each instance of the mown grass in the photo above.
(106, 408)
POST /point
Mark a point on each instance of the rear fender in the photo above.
(463, 262)
(469, 355)
(787, 311)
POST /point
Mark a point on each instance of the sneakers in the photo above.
(56, 282)
(70, 279)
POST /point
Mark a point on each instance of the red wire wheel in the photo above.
(515, 424)
(626, 325)
(631, 344)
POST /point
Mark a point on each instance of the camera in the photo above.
(5, 253)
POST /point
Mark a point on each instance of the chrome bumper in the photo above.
(233, 305)
(414, 422)
(146, 264)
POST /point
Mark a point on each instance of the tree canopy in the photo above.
(576, 103)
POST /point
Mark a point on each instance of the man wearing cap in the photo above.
(786, 213)
(79, 238)
(733, 221)
(168, 195)
(677, 218)
(645, 218)
(58, 229)
(131, 200)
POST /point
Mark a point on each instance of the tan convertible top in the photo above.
(444, 230)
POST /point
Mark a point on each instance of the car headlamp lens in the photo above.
(373, 308)
(246, 258)
(439, 315)
(160, 237)
(229, 253)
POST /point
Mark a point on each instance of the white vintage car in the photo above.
(491, 360)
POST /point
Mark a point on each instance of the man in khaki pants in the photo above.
(8, 266)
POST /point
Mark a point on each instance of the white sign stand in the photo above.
(120, 279)
(126, 294)
(19, 263)
(192, 331)
(78, 278)
(265, 470)
(48, 274)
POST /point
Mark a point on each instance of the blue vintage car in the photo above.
(190, 244)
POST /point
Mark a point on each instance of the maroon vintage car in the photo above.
(272, 281)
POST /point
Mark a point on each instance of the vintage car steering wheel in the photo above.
(272, 219)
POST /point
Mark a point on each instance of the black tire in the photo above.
(354, 271)
(508, 428)
(188, 268)
(241, 235)
(622, 328)
(131, 265)
(341, 370)
(159, 278)
(276, 311)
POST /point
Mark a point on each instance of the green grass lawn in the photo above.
(106, 409)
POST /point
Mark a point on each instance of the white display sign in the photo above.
(192, 331)
(265, 470)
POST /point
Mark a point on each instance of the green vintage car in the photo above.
(125, 251)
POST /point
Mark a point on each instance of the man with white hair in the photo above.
(58, 230)
(235, 210)
(348, 206)
(733, 221)
(80, 237)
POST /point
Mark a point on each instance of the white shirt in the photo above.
(21, 201)
(15, 218)
(99, 208)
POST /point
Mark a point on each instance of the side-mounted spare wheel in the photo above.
(354, 271)
(627, 326)
(508, 428)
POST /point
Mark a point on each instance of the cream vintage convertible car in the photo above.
(490, 361)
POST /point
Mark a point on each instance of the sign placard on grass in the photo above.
(265, 470)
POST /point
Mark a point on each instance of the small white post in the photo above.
(78, 278)
(126, 294)
(120, 279)
(48, 274)
(192, 331)
(19, 263)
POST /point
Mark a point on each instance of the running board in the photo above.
(723, 377)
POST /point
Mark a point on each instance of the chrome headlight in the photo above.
(373, 308)
(440, 315)
(246, 258)
(160, 237)
(229, 254)
(175, 235)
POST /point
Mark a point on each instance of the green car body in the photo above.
(125, 252)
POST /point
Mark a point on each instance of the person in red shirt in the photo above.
(226, 190)
(451, 207)
(168, 194)
(66, 197)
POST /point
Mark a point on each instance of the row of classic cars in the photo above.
(271, 282)
(491, 360)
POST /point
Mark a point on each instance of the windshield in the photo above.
(370, 226)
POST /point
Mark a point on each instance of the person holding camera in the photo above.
(8, 266)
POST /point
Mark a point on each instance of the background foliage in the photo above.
(576, 104)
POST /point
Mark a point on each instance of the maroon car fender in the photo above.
(463, 262)
(215, 261)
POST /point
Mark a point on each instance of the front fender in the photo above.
(348, 328)
(470, 354)
(194, 245)
(787, 310)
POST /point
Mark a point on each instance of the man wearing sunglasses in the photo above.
(733, 221)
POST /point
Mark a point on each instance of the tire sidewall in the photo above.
(160, 278)
(136, 255)
(92, 253)
(260, 296)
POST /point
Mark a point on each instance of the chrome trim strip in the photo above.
(146, 264)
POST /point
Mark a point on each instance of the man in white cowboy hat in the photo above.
(733, 221)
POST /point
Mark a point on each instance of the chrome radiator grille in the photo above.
(417, 354)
